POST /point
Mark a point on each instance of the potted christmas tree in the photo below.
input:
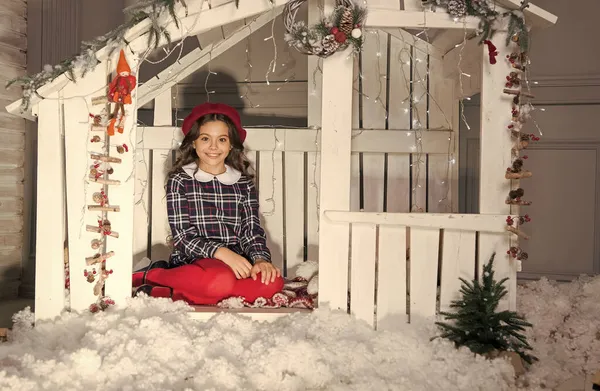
(477, 325)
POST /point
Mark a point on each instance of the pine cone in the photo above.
(457, 8)
(346, 24)
(330, 45)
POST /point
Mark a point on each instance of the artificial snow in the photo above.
(153, 344)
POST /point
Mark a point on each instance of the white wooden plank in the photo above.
(391, 274)
(374, 114)
(424, 244)
(294, 211)
(417, 20)
(79, 193)
(118, 285)
(50, 216)
(373, 181)
(496, 144)
(312, 206)
(271, 203)
(253, 159)
(335, 178)
(196, 23)
(362, 286)
(458, 261)
(420, 98)
(398, 183)
(355, 182)
(308, 140)
(441, 166)
(464, 222)
(163, 103)
(398, 165)
(315, 74)
(141, 209)
(160, 230)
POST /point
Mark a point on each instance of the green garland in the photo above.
(485, 11)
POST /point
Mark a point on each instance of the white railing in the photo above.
(409, 264)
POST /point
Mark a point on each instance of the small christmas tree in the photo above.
(478, 326)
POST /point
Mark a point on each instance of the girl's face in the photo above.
(213, 146)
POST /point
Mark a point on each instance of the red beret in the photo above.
(213, 108)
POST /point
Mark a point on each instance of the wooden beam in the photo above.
(462, 222)
(303, 140)
(495, 156)
(336, 137)
(197, 58)
(193, 20)
(379, 18)
(534, 15)
(411, 39)
(208, 19)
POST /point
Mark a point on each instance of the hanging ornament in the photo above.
(356, 33)
(119, 93)
(96, 243)
(457, 8)
(122, 148)
(492, 51)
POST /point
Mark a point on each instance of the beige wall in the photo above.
(565, 188)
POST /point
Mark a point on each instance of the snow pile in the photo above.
(154, 345)
(566, 328)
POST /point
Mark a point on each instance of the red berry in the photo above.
(508, 252)
(525, 157)
(340, 37)
(110, 271)
(334, 30)
(85, 273)
(94, 272)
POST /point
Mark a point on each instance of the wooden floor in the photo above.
(262, 314)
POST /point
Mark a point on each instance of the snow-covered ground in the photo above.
(154, 345)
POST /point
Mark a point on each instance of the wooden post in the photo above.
(335, 178)
(118, 285)
(50, 216)
(77, 145)
(161, 162)
(496, 144)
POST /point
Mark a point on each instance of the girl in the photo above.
(220, 249)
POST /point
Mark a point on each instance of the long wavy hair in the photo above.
(236, 157)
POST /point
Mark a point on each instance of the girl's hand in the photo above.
(268, 272)
(240, 265)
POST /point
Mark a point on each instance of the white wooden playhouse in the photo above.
(369, 189)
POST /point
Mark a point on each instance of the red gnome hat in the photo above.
(123, 66)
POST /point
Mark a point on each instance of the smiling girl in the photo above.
(220, 248)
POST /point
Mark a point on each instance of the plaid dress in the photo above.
(207, 212)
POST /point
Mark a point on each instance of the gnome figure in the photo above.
(119, 92)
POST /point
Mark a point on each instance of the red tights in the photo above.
(205, 281)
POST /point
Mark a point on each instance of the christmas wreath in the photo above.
(334, 33)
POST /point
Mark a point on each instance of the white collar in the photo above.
(229, 177)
